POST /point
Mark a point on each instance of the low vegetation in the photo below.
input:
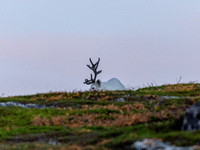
(99, 120)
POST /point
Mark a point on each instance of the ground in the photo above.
(99, 120)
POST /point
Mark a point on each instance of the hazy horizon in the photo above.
(45, 45)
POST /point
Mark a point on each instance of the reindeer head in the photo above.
(95, 84)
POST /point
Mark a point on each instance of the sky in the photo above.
(46, 44)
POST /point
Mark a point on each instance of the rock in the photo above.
(150, 144)
(53, 142)
(120, 100)
(35, 106)
(191, 119)
(16, 104)
(170, 97)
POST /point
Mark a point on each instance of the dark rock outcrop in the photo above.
(191, 119)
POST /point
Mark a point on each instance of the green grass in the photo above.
(73, 123)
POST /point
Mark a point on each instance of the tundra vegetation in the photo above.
(97, 120)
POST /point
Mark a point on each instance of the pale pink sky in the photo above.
(46, 45)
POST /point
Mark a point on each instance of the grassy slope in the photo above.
(87, 120)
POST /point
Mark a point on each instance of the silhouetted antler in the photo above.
(94, 69)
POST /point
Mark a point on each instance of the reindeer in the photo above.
(111, 85)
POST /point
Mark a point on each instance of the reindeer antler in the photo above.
(94, 69)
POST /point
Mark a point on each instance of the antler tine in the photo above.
(94, 69)
(94, 66)
(99, 72)
(91, 62)
(88, 81)
(97, 63)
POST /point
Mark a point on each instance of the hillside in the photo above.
(98, 120)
